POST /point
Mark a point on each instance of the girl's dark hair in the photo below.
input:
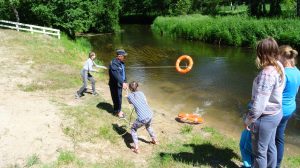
(267, 52)
(91, 54)
(133, 86)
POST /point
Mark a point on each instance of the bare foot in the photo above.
(121, 114)
(136, 150)
(155, 142)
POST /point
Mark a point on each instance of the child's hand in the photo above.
(125, 86)
(247, 127)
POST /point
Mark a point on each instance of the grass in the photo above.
(91, 122)
(207, 148)
(32, 160)
(229, 30)
(186, 129)
(56, 62)
(66, 157)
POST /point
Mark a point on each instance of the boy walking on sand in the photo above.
(144, 113)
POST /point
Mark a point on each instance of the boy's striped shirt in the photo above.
(140, 104)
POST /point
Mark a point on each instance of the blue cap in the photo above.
(121, 52)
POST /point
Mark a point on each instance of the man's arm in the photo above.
(115, 72)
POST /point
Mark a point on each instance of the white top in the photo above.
(266, 94)
(89, 65)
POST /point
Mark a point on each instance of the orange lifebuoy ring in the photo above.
(190, 118)
(186, 70)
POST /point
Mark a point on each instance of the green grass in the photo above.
(92, 123)
(107, 133)
(32, 160)
(66, 157)
(205, 149)
(56, 63)
(186, 129)
(229, 30)
(292, 162)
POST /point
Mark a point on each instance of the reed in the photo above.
(229, 30)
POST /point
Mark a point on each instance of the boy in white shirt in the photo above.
(85, 74)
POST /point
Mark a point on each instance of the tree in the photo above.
(257, 8)
(11, 6)
(206, 6)
(180, 7)
(298, 7)
(275, 9)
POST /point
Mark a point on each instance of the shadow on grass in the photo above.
(205, 154)
(106, 106)
(121, 130)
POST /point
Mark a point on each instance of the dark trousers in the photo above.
(116, 96)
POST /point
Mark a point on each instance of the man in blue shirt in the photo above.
(117, 81)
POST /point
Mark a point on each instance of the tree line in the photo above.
(73, 16)
(70, 16)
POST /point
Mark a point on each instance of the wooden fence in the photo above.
(31, 28)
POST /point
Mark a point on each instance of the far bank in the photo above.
(229, 30)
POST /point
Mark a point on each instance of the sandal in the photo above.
(154, 142)
(121, 115)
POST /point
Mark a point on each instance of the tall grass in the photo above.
(229, 30)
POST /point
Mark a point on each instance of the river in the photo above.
(218, 87)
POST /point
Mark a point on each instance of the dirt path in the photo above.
(29, 122)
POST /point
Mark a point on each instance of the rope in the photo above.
(128, 121)
(151, 67)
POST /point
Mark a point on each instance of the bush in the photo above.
(229, 30)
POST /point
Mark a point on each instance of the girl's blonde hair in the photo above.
(133, 86)
(267, 54)
(91, 54)
(287, 55)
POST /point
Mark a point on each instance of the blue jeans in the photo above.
(279, 140)
(263, 141)
(84, 75)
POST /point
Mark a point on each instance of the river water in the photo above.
(218, 87)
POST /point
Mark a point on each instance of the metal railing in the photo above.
(31, 28)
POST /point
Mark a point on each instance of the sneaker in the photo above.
(95, 94)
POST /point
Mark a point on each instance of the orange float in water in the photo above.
(189, 67)
(190, 118)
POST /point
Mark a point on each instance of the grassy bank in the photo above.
(229, 30)
(56, 62)
(99, 139)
